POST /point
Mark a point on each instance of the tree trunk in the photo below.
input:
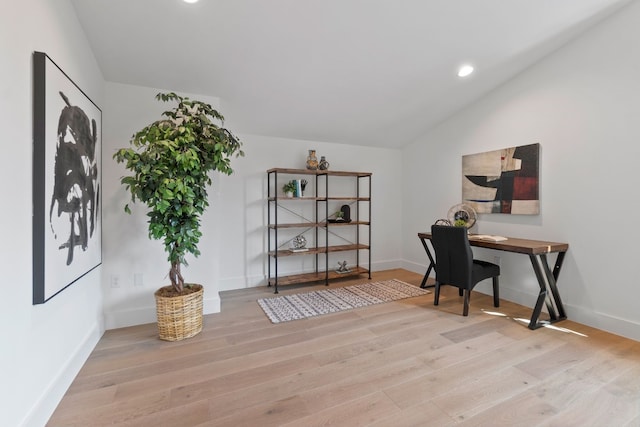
(177, 281)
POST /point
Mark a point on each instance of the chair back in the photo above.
(454, 258)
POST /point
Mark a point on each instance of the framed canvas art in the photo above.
(67, 223)
(503, 181)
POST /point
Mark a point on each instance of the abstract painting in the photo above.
(67, 223)
(503, 181)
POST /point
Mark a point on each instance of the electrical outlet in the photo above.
(115, 281)
(496, 260)
(137, 279)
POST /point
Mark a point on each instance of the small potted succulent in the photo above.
(289, 188)
(460, 223)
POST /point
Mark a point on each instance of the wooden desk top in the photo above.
(513, 244)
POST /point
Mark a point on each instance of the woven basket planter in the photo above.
(179, 317)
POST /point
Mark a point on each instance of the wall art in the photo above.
(503, 181)
(67, 220)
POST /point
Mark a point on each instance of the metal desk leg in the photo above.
(553, 285)
(432, 264)
(548, 290)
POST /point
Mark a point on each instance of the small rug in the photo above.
(300, 306)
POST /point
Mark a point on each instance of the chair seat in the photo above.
(483, 270)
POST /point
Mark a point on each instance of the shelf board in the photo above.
(294, 171)
(318, 172)
(280, 198)
(289, 252)
(342, 248)
(321, 250)
(355, 199)
(317, 224)
(296, 225)
(346, 173)
(342, 224)
(316, 277)
(320, 198)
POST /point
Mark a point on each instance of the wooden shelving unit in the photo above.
(327, 189)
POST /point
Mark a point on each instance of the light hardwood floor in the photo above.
(405, 363)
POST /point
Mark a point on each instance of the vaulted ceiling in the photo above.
(364, 72)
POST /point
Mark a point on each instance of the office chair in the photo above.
(455, 264)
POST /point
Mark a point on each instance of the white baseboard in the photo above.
(52, 395)
(415, 267)
(386, 265)
(255, 281)
(603, 321)
(139, 316)
(243, 282)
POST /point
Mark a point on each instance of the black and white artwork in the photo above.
(67, 222)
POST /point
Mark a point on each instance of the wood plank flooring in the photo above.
(404, 363)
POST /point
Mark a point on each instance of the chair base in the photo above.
(466, 294)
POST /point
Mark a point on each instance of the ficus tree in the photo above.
(171, 161)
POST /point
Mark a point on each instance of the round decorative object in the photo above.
(462, 215)
(299, 242)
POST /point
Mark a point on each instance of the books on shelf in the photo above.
(298, 188)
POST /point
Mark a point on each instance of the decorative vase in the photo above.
(312, 160)
(323, 165)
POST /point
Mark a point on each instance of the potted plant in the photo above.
(337, 216)
(171, 160)
(460, 223)
(289, 188)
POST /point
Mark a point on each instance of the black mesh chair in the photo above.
(455, 264)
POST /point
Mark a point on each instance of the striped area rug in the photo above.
(300, 306)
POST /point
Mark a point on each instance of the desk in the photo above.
(537, 251)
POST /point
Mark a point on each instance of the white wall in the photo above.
(581, 105)
(234, 226)
(43, 346)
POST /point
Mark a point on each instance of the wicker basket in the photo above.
(179, 317)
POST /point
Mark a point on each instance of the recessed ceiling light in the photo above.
(465, 70)
(190, 1)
